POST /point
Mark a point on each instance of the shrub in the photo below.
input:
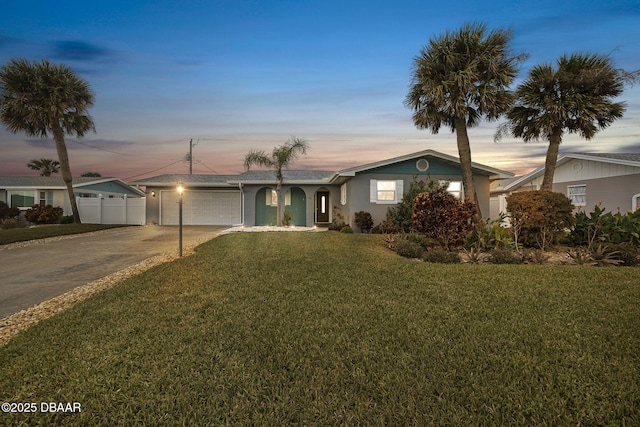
(441, 256)
(8, 213)
(600, 226)
(440, 216)
(67, 219)
(338, 220)
(421, 239)
(364, 221)
(408, 249)
(9, 224)
(286, 218)
(489, 234)
(539, 218)
(505, 256)
(537, 256)
(385, 227)
(627, 253)
(41, 214)
(346, 229)
(399, 217)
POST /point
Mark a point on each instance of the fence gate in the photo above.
(131, 211)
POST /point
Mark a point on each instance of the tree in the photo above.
(91, 174)
(575, 96)
(45, 166)
(42, 98)
(459, 78)
(280, 157)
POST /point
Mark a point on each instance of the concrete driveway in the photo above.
(37, 272)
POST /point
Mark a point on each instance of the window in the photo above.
(578, 195)
(23, 199)
(46, 198)
(272, 197)
(385, 192)
(454, 188)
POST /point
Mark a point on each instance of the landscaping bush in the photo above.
(399, 217)
(421, 239)
(41, 214)
(605, 227)
(364, 221)
(628, 254)
(8, 224)
(338, 220)
(385, 227)
(67, 219)
(408, 249)
(539, 218)
(346, 229)
(489, 234)
(440, 216)
(505, 256)
(441, 256)
(8, 213)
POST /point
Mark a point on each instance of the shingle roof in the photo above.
(289, 175)
(629, 157)
(45, 181)
(173, 179)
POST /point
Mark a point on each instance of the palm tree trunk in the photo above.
(464, 152)
(63, 158)
(280, 199)
(550, 162)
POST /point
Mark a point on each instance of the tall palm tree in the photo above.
(42, 98)
(459, 78)
(279, 158)
(45, 166)
(575, 96)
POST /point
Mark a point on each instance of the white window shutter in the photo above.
(399, 190)
(287, 198)
(268, 198)
(373, 190)
(343, 194)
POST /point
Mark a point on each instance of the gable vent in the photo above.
(422, 165)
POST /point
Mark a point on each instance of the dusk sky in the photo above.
(236, 75)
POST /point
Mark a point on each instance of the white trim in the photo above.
(635, 202)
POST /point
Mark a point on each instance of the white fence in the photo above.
(131, 211)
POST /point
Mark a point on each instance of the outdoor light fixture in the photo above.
(153, 194)
(180, 191)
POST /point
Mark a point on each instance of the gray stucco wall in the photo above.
(615, 193)
(358, 194)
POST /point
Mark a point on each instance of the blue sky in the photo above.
(236, 75)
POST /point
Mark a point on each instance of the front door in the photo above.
(322, 206)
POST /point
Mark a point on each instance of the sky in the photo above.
(235, 75)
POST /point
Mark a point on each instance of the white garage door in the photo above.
(201, 208)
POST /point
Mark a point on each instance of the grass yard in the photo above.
(23, 234)
(334, 329)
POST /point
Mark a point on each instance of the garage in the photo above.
(204, 207)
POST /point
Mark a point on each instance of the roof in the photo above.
(57, 183)
(306, 176)
(477, 167)
(629, 159)
(191, 180)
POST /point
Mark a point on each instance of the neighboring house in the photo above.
(311, 197)
(26, 191)
(588, 179)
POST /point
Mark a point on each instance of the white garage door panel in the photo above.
(202, 208)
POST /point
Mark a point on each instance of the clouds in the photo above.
(70, 50)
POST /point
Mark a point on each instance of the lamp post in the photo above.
(180, 191)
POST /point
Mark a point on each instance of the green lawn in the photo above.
(334, 329)
(23, 234)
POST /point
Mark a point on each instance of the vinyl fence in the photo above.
(131, 211)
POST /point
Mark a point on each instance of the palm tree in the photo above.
(575, 96)
(45, 166)
(459, 78)
(42, 98)
(280, 157)
(91, 174)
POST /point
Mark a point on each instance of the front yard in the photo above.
(334, 329)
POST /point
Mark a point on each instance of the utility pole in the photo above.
(191, 156)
